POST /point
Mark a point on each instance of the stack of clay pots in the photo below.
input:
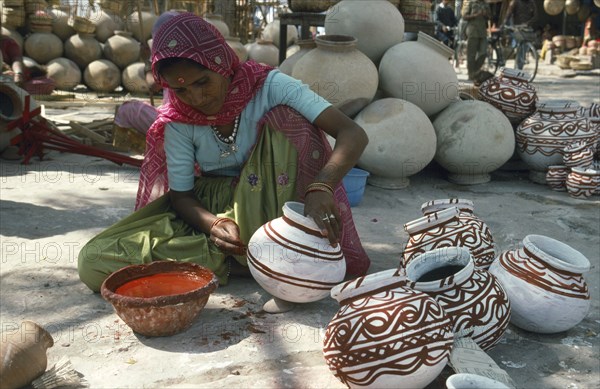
(579, 174)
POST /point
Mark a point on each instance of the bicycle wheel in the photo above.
(527, 59)
(494, 58)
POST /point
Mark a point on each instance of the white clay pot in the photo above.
(301, 47)
(376, 24)
(122, 49)
(402, 142)
(420, 72)
(263, 51)
(106, 24)
(341, 74)
(545, 284)
(369, 344)
(217, 21)
(468, 153)
(291, 260)
(271, 33)
(472, 381)
(238, 47)
(65, 73)
(60, 23)
(83, 49)
(473, 299)
(134, 78)
(43, 47)
(102, 76)
(133, 25)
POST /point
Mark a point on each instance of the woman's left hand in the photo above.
(322, 208)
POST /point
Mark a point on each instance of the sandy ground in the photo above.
(50, 209)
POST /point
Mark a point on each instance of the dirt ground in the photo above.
(50, 209)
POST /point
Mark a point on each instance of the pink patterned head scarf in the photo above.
(189, 36)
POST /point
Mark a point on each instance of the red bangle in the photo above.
(219, 220)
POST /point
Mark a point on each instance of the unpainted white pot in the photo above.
(60, 23)
(83, 49)
(102, 76)
(134, 78)
(122, 49)
(217, 21)
(341, 74)
(106, 24)
(238, 47)
(402, 142)
(133, 25)
(420, 72)
(43, 47)
(465, 149)
(304, 46)
(272, 29)
(65, 73)
(263, 51)
(376, 24)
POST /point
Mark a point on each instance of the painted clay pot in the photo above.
(377, 25)
(480, 242)
(106, 24)
(593, 114)
(420, 72)
(402, 142)
(556, 177)
(341, 74)
(545, 284)
(133, 25)
(122, 49)
(217, 21)
(291, 260)
(263, 51)
(133, 78)
(60, 23)
(43, 47)
(583, 183)
(161, 298)
(466, 152)
(472, 381)
(304, 46)
(23, 354)
(578, 154)
(385, 335)
(271, 33)
(83, 49)
(474, 300)
(554, 7)
(511, 93)
(102, 76)
(238, 47)
(542, 136)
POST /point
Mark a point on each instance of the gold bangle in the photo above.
(219, 220)
(319, 186)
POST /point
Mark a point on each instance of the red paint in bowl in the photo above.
(162, 284)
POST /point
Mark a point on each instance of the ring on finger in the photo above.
(326, 217)
(217, 242)
(331, 217)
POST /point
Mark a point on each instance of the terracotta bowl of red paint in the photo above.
(161, 298)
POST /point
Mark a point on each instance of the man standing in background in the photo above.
(476, 14)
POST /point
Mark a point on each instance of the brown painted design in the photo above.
(556, 177)
(582, 185)
(529, 268)
(465, 230)
(478, 305)
(392, 332)
(514, 96)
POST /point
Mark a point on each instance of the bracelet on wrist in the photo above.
(319, 187)
(218, 221)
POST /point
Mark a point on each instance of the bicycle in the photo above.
(512, 46)
(502, 54)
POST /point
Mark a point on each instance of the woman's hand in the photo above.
(321, 207)
(225, 234)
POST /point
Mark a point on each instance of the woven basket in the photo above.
(82, 25)
(112, 6)
(416, 9)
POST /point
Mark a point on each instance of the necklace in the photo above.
(228, 140)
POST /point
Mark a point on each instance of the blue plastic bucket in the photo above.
(354, 183)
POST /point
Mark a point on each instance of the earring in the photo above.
(181, 80)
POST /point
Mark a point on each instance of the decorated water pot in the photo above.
(545, 284)
(472, 298)
(480, 241)
(385, 335)
(578, 154)
(556, 177)
(291, 260)
(542, 136)
(511, 93)
(582, 183)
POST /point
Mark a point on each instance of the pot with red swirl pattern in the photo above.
(583, 183)
(545, 284)
(385, 335)
(556, 177)
(473, 299)
(291, 260)
(542, 136)
(480, 243)
(578, 154)
(511, 93)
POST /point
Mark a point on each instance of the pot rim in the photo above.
(549, 249)
(439, 204)
(364, 285)
(452, 255)
(294, 210)
(133, 272)
(558, 106)
(433, 218)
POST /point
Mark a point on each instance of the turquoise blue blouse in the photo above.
(186, 144)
